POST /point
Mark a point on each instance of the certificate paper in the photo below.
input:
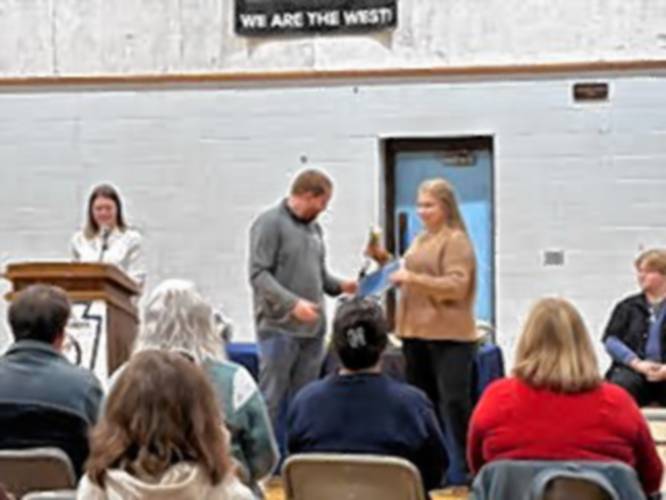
(378, 282)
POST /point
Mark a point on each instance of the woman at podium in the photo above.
(106, 236)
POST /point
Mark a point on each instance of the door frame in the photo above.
(390, 148)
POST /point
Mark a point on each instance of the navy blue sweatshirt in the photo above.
(368, 413)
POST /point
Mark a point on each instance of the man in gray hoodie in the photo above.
(289, 279)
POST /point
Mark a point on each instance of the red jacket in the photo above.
(515, 421)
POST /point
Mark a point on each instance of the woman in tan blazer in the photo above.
(435, 316)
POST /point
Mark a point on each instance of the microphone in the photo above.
(106, 232)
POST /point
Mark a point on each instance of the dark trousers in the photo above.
(444, 370)
(643, 391)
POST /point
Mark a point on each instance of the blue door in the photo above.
(470, 172)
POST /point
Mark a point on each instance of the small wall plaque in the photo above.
(459, 158)
(590, 91)
(553, 257)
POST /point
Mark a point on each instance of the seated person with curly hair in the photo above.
(176, 317)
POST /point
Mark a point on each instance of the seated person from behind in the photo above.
(160, 437)
(635, 336)
(176, 317)
(556, 406)
(44, 399)
(361, 410)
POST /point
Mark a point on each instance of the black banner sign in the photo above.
(270, 17)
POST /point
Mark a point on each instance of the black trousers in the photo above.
(643, 391)
(444, 370)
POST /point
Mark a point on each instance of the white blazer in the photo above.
(123, 250)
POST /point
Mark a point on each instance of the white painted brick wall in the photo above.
(74, 37)
(195, 166)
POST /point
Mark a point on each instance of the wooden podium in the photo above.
(103, 315)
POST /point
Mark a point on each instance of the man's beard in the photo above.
(309, 218)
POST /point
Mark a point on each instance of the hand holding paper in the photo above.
(349, 286)
(400, 276)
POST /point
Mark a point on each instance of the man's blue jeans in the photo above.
(286, 364)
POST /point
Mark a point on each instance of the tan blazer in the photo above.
(437, 299)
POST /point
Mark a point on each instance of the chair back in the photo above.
(575, 488)
(555, 480)
(656, 420)
(336, 476)
(36, 469)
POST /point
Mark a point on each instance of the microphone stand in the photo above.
(105, 244)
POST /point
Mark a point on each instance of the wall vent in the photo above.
(553, 257)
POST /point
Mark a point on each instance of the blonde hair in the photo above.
(443, 191)
(653, 259)
(555, 351)
(176, 317)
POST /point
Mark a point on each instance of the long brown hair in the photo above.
(443, 191)
(103, 191)
(161, 411)
(555, 351)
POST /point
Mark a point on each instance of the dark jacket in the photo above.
(630, 323)
(46, 401)
(368, 413)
